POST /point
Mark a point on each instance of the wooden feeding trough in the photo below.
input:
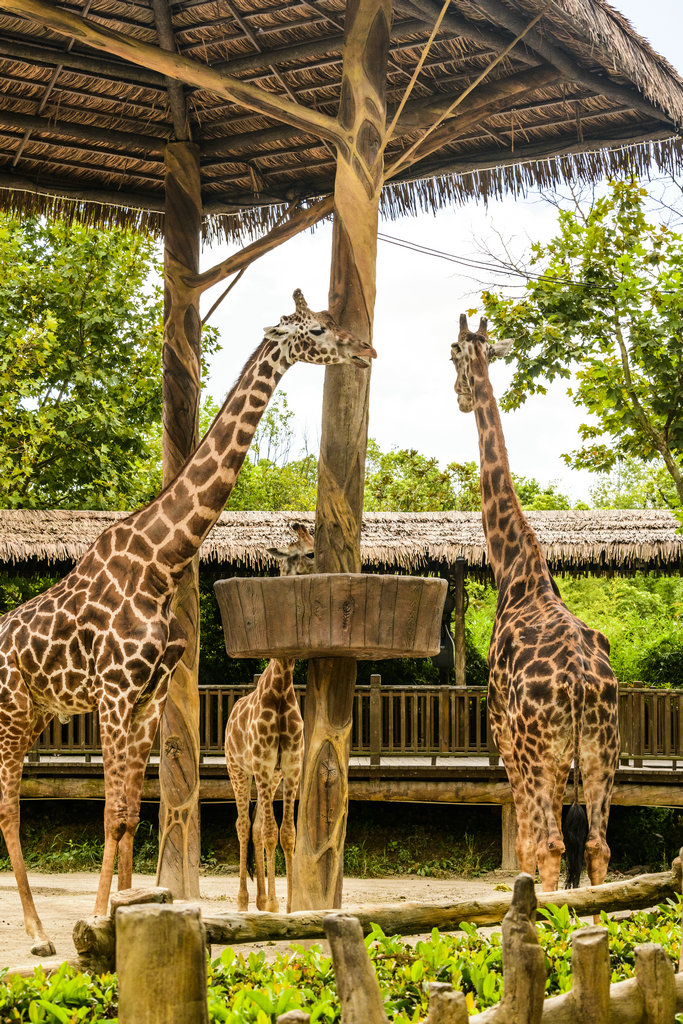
(332, 615)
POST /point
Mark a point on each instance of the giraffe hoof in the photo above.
(272, 906)
(43, 947)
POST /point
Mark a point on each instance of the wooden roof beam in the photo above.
(176, 94)
(150, 144)
(550, 149)
(321, 47)
(34, 54)
(565, 64)
(180, 68)
(418, 114)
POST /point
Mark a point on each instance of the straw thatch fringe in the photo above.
(573, 541)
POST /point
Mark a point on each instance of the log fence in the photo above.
(173, 982)
(413, 721)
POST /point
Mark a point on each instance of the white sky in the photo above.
(419, 299)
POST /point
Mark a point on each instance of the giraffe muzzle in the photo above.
(363, 357)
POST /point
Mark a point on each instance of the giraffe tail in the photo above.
(575, 828)
(251, 850)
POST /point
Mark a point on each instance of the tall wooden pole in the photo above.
(179, 840)
(323, 805)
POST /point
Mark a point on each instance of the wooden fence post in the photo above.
(657, 983)
(523, 959)
(446, 1006)
(375, 719)
(590, 975)
(357, 988)
(161, 964)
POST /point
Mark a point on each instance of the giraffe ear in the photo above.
(277, 553)
(275, 333)
(499, 348)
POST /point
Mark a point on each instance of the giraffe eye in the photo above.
(317, 331)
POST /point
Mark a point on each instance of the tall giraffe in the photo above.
(106, 636)
(264, 740)
(552, 693)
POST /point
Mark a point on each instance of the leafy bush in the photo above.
(662, 664)
(254, 990)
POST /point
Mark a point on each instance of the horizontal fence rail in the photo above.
(425, 721)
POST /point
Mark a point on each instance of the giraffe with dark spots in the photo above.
(547, 669)
(264, 741)
(111, 635)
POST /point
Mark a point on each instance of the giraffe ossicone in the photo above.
(552, 695)
(106, 637)
(264, 741)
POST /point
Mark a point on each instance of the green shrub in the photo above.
(254, 990)
(662, 664)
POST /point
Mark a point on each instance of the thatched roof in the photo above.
(84, 132)
(595, 541)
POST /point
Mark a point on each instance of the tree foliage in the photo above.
(605, 299)
(80, 356)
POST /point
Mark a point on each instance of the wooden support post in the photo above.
(460, 572)
(523, 959)
(179, 840)
(161, 965)
(323, 803)
(509, 860)
(590, 975)
(357, 988)
(375, 719)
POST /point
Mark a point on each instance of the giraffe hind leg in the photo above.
(241, 785)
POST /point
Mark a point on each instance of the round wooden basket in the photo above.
(343, 615)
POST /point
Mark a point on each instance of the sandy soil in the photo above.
(63, 899)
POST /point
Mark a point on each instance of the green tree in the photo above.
(535, 496)
(403, 480)
(634, 484)
(605, 296)
(80, 353)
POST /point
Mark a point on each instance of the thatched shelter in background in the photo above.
(596, 541)
(194, 118)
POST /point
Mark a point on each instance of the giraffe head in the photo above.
(473, 347)
(311, 337)
(298, 559)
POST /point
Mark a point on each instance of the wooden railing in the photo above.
(426, 721)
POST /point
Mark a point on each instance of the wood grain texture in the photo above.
(161, 965)
(179, 841)
(331, 615)
(318, 861)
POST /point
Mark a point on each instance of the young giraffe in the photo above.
(552, 693)
(106, 636)
(264, 740)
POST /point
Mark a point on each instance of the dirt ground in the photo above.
(63, 899)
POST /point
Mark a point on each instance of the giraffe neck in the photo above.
(513, 547)
(178, 520)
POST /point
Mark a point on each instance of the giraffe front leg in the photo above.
(11, 759)
(114, 726)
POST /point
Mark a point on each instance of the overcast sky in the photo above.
(419, 299)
